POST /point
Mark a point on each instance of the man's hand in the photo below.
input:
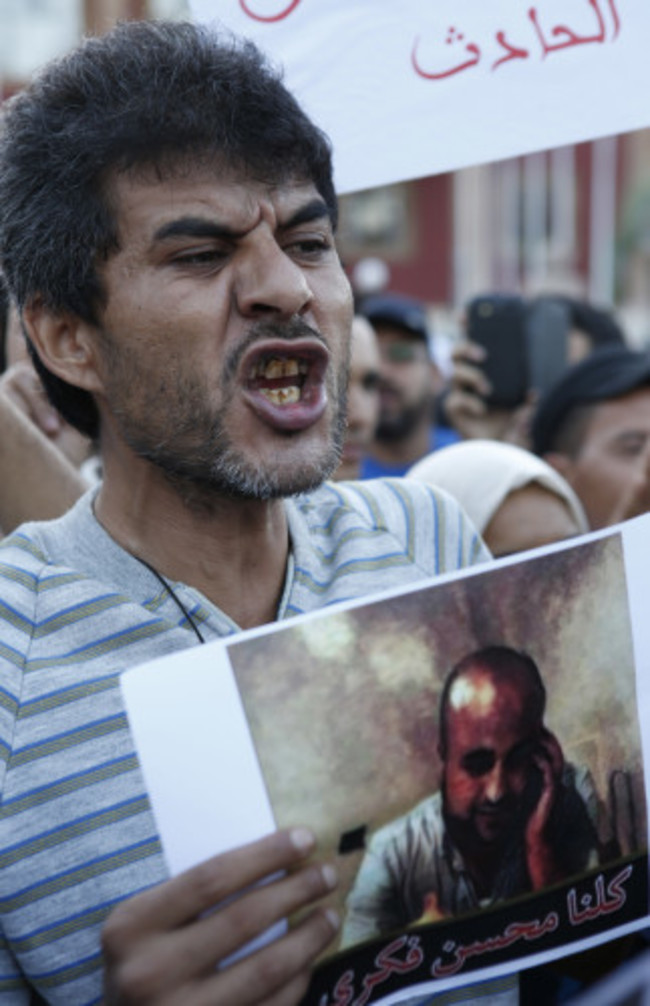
(22, 385)
(540, 855)
(431, 911)
(161, 948)
(465, 406)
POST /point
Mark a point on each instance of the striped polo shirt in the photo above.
(76, 830)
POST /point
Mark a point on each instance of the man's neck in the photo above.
(483, 869)
(482, 860)
(234, 551)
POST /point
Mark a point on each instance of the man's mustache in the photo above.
(261, 331)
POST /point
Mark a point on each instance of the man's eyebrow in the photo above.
(476, 753)
(195, 227)
(199, 227)
(315, 209)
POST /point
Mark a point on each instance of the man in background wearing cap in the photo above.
(593, 426)
(409, 384)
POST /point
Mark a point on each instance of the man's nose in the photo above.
(269, 282)
(495, 783)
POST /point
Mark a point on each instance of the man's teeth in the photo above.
(280, 367)
(282, 396)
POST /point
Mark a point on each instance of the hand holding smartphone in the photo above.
(525, 344)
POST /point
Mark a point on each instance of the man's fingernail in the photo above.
(333, 918)
(302, 839)
(330, 876)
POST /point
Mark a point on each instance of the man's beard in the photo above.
(471, 839)
(394, 427)
(214, 466)
(173, 427)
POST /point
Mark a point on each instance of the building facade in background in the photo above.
(575, 220)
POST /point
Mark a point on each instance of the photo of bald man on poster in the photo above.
(469, 755)
(511, 816)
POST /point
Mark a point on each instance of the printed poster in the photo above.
(346, 721)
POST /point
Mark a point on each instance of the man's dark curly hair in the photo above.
(148, 95)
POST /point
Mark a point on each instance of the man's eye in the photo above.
(631, 446)
(200, 257)
(478, 763)
(308, 247)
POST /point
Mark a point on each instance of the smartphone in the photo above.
(498, 323)
(547, 328)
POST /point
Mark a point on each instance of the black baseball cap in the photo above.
(396, 309)
(608, 372)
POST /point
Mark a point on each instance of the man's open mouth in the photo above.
(285, 382)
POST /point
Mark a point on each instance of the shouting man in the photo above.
(167, 222)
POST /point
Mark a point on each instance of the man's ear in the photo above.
(64, 343)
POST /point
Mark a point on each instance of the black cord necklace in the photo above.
(174, 596)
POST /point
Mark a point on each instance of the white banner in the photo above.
(415, 88)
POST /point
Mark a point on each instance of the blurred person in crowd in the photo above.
(465, 405)
(363, 398)
(410, 382)
(516, 500)
(593, 427)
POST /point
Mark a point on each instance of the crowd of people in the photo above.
(585, 438)
(190, 395)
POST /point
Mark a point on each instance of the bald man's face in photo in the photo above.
(489, 773)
